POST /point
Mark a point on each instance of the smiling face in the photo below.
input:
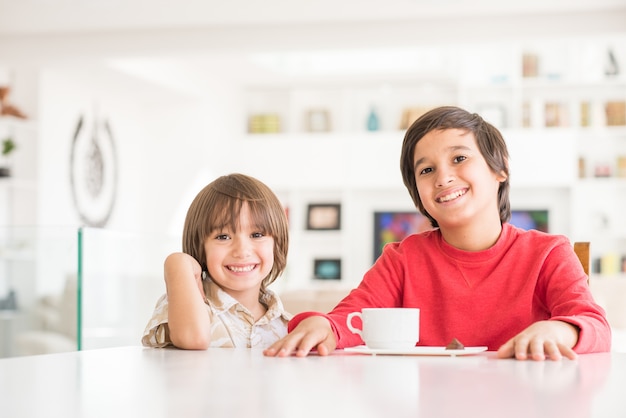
(239, 260)
(455, 184)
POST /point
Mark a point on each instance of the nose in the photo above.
(241, 247)
(444, 177)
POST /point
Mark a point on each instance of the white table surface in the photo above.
(140, 382)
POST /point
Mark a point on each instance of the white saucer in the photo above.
(415, 351)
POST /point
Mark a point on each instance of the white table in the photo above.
(138, 382)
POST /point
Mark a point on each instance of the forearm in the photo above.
(188, 321)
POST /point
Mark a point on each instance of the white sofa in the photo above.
(54, 324)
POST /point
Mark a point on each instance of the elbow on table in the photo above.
(192, 341)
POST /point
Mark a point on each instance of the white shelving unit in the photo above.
(18, 209)
(361, 169)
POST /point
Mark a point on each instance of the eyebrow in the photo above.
(451, 149)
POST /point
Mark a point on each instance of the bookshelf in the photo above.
(559, 104)
(18, 195)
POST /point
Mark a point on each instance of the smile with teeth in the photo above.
(451, 196)
(241, 269)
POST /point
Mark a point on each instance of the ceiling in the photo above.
(177, 43)
(63, 16)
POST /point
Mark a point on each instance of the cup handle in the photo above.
(349, 323)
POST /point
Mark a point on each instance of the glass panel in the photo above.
(38, 296)
(121, 278)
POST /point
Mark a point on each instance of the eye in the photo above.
(257, 235)
(460, 158)
(426, 170)
(222, 237)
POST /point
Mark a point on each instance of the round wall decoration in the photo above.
(93, 171)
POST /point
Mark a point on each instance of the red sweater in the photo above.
(481, 298)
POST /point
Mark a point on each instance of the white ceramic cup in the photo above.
(392, 328)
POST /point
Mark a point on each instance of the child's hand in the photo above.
(541, 340)
(312, 332)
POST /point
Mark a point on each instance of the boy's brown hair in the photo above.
(489, 141)
(218, 205)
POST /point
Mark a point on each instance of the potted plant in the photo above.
(8, 146)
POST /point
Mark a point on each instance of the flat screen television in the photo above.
(530, 219)
(394, 226)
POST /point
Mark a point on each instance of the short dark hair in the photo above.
(219, 204)
(489, 140)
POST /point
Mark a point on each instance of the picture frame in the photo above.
(318, 120)
(323, 217)
(327, 268)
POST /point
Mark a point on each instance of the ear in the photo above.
(502, 176)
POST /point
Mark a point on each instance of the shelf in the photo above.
(17, 184)
(13, 122)
(361, 168)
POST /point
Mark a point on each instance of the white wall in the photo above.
(168, 146)
(163, 142)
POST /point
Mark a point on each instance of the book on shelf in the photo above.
(264, 123)
(530, 65)
(621, 166)
(555, 114)
(585, 114)
(615, 113)
(410, 115)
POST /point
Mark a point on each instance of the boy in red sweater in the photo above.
(475, 277)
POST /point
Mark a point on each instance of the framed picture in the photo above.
(327, 268)
(394, 226)
(318, 120)
(324, 216)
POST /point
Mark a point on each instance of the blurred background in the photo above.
(115, 113)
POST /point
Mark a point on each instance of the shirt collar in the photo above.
(222, 301)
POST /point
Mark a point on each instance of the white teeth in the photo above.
(452, 196)
(241, 269)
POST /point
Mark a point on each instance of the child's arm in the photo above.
(544, 339)
(188, 321)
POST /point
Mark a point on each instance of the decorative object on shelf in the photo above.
(585, 114)
(8, 146)
(530, 65)
(610, 264)
(582, 170)
(6, 108)
(555, 114)
(93, 170)
(327, 268)
(615, 113)
(264, 124)
(410, 115)
(318, 120)
(621, 166)
(10, 302)
(373, 123)
(612, 67)
(323, 217)
(602, 170)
